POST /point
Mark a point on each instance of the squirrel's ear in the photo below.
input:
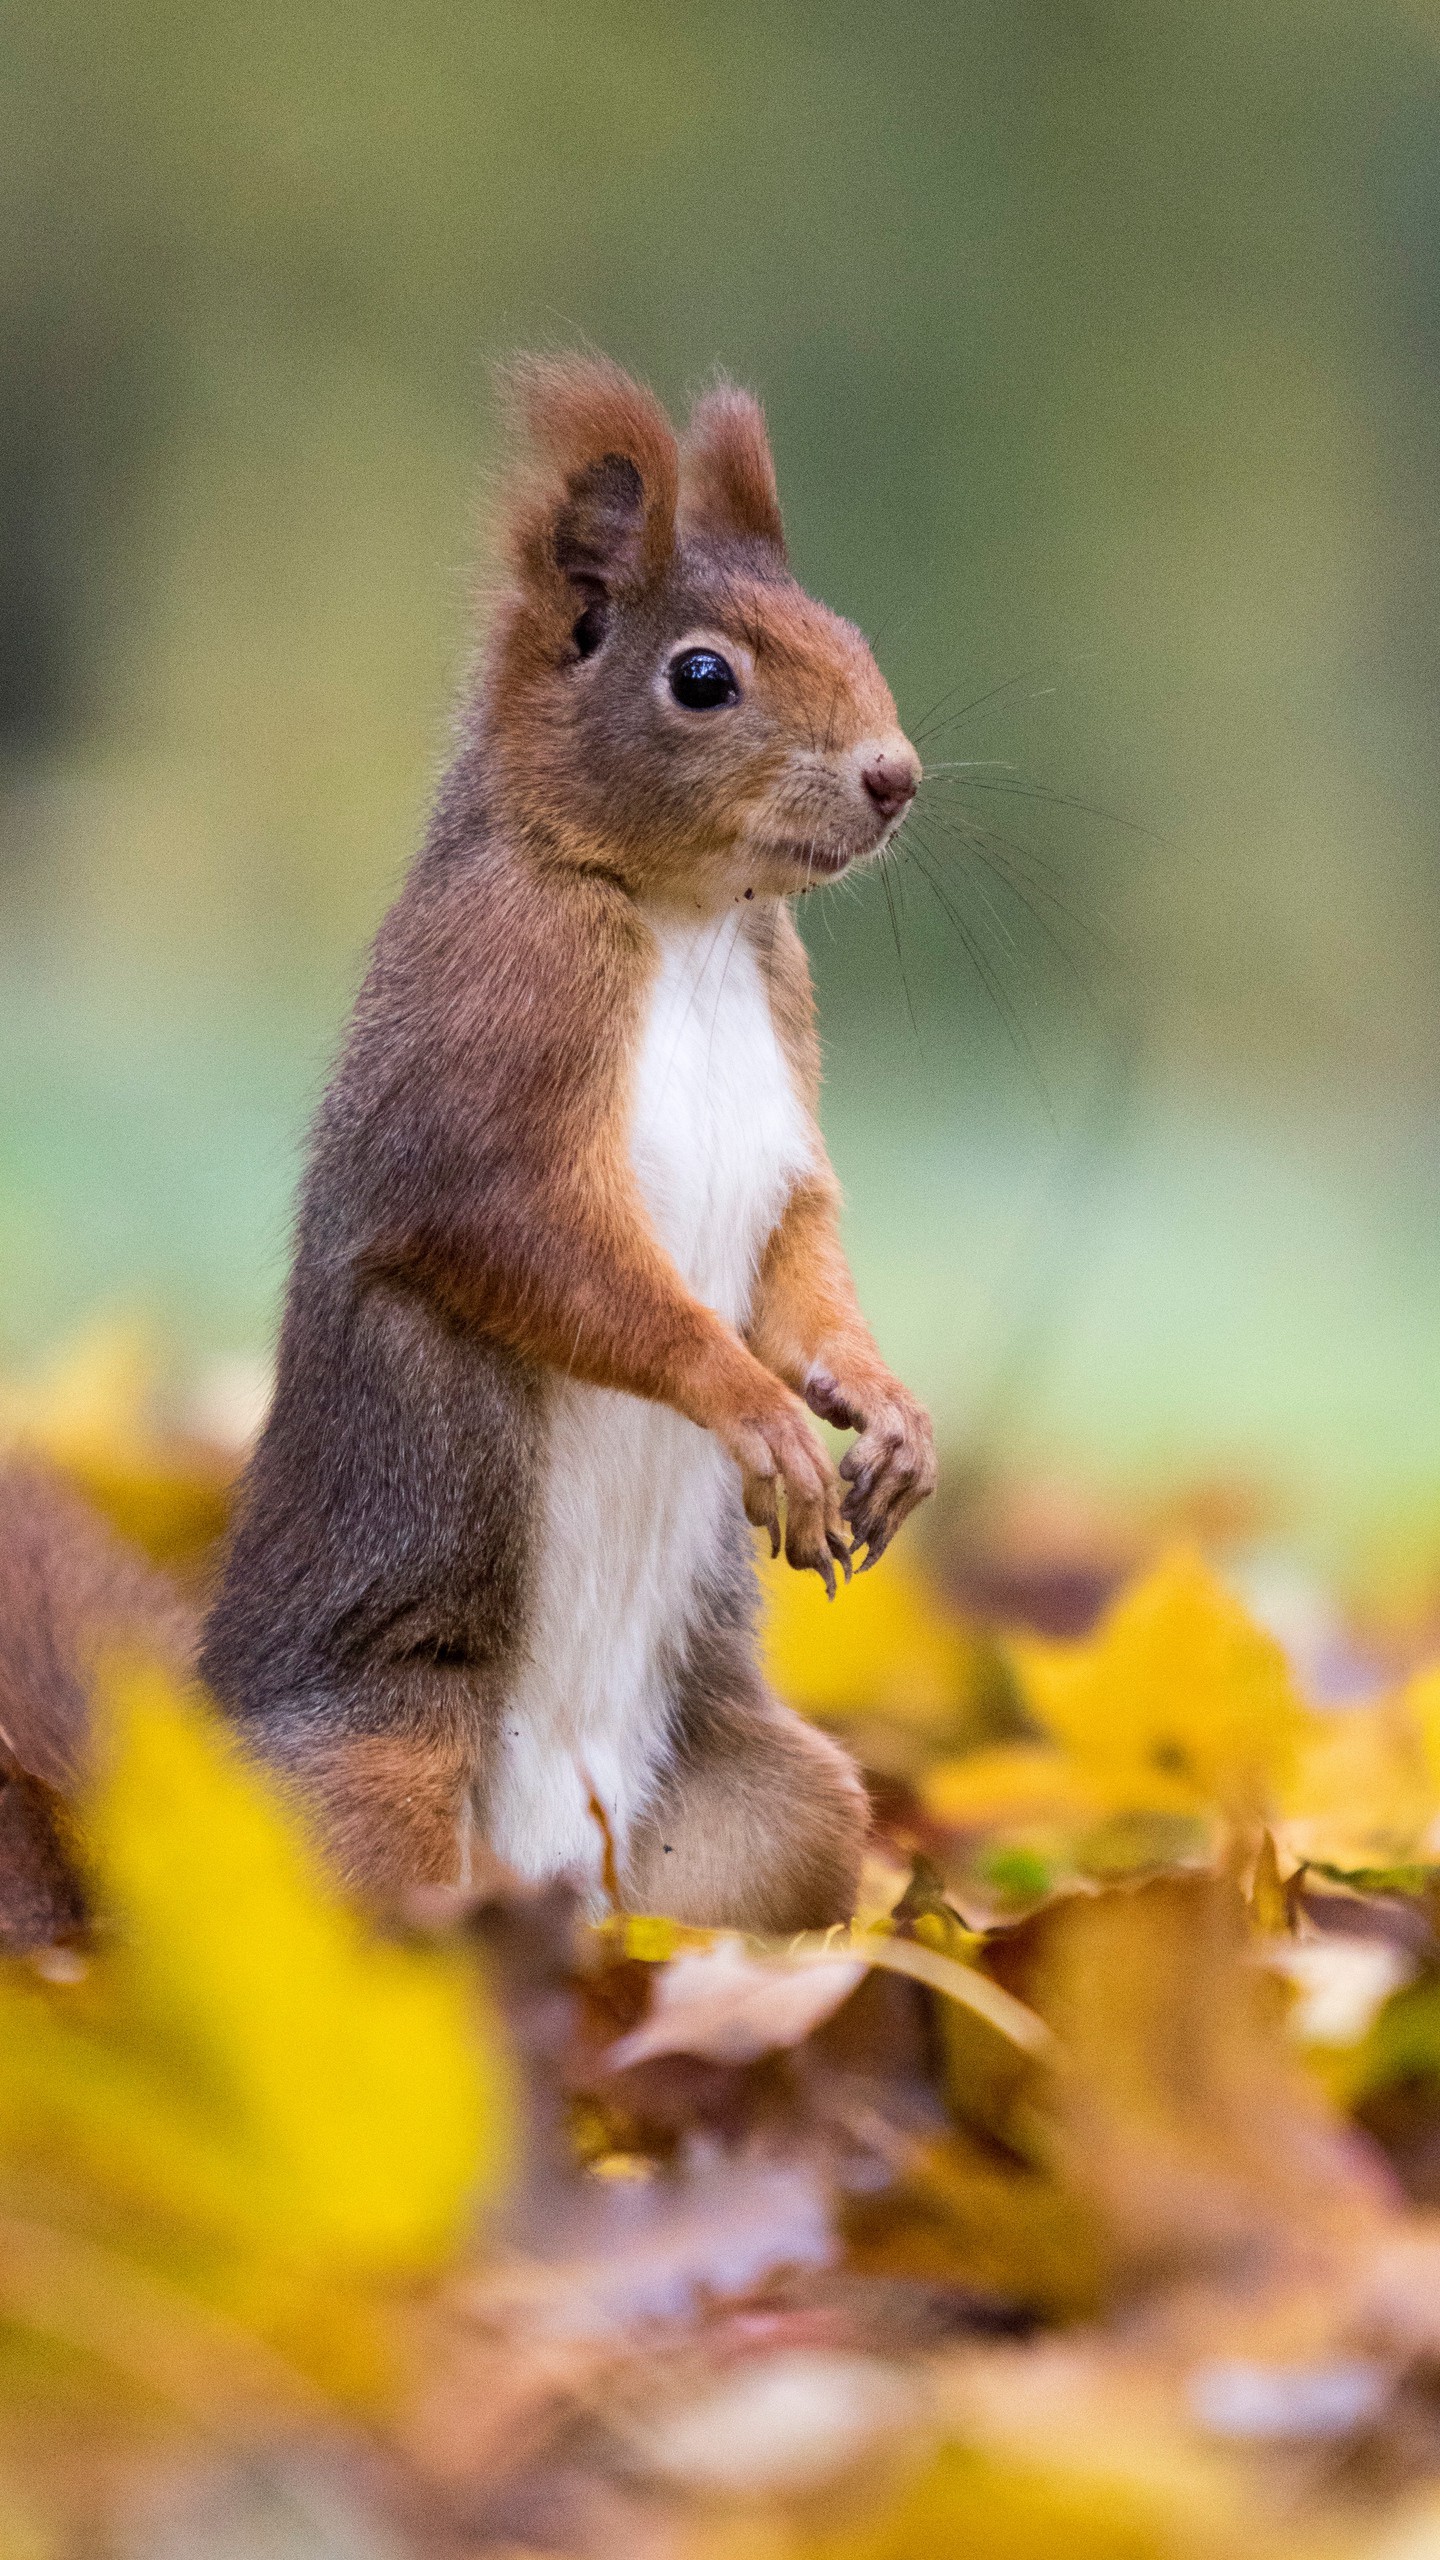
(594, 512)
(727, 476)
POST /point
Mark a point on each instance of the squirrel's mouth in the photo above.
(824, 855)
(820, 861)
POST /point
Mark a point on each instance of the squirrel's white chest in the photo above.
(718, 1137)
(633, 1510)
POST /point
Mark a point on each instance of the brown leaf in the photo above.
(1182, 2113)
(729, 2006)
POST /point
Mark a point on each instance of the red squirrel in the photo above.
(567, 1269)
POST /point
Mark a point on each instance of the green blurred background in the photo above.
(1100, 340)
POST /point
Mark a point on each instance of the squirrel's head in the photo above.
(662, 700)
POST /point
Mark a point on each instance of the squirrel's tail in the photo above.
(69, 1590)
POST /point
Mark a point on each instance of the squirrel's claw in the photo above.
(783, 1451)
(889, 1470)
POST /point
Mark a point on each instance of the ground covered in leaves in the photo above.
(1083, 2198)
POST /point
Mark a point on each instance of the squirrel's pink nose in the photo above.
(891, 780)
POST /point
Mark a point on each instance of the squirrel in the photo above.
(567, 1272)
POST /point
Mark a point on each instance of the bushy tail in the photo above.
(69, 1591)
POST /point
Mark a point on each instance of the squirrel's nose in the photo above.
(891, 779)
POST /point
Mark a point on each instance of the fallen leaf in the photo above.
(886, 1646)
(92, 1410)
(256, 2093)
(1365, 1787)
(983, 2507)
(729, 2005)
(1181, 2114)
(1177, 1684)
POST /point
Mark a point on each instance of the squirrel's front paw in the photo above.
(780, 1449)
(890, 1468)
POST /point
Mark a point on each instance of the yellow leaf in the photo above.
(975, 2503)
(884, 1881)
(1367, 1784)
(884, 1646)
(247, 2082)
(91, 1410)
(1024, 1820)
(647, 1937)
(1177, 1683)
(94, 1394)
(1420, 1700)
(1269, 1902)
(1014, 1788)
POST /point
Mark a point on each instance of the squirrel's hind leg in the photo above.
(390, 1810)
(759, 1823)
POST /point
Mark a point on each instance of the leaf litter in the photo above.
(1083, 2196)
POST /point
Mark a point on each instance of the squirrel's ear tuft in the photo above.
(592, 511)
(727, 476)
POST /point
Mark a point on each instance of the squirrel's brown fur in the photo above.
(474, 1235)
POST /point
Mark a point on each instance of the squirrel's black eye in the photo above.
(589, 631)
(704, 681)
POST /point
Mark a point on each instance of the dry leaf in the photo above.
(1181, 2113)
(730, 2006)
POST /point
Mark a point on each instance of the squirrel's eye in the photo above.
(704, 681)
(589, 631)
